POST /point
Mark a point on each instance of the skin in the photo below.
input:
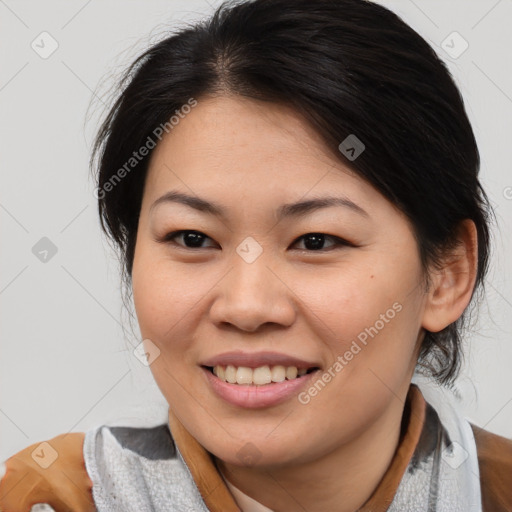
(194, 303)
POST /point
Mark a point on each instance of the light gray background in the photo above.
(65, 362)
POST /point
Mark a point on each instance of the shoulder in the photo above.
(152, 443)
(137, 468)
(495, 464)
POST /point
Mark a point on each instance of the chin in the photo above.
(255, 452)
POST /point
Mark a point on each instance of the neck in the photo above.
(342, 480)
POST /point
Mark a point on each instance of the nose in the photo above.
(251, 295)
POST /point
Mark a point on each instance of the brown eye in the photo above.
(315, 241)
(190, 239)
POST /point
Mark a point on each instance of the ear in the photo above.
(452, 286)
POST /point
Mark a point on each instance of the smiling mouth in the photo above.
(260, 376)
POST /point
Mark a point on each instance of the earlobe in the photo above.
(452, 286)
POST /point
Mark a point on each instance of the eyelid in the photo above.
(168, 238)
(339, 242)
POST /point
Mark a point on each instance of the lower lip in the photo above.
(252, 396)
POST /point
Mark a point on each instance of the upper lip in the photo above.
(256, 359)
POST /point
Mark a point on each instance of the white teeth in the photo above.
(278, 373)
(291, 372)
(221, 372)
(257, 376)
(230, 374)
(243, 375)
(262, 375)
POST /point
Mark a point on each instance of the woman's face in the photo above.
(247, 289)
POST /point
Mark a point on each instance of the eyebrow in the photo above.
(299, 209)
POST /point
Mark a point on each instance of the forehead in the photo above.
(224, 129)
(234, 148)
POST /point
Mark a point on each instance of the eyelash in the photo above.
(340, 242)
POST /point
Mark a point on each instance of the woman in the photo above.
(293, 188)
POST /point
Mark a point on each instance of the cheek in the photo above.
(371, 326)
(157, 297)
(162, 293)
(169, 301)
(372, 317)
(164, 307)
